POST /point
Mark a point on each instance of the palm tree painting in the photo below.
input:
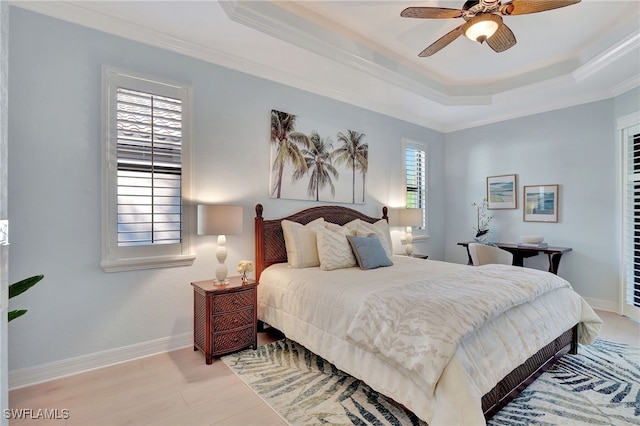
(319, 164)
(354, 153)
(305, 165)
(287, 142)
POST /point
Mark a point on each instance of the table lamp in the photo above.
(221, 221)
(409, 218)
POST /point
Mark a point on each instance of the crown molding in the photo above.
(273, 20)
(340, 50)
(618, 51)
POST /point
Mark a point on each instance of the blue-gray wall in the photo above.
(575, 148)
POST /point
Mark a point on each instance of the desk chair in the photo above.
(482, 254)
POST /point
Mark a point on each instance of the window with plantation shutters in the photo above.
(415, 174)
(146, 172)
(631, 237)
(149, 168)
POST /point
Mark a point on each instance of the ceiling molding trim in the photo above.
(605, 59)
(625, 86)
(99, 22)
(525, 112)
(548, 105)
(298, 31)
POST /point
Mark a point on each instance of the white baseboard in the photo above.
(603, 305)
(67, 367)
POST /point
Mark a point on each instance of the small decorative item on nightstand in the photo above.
(224, 316)
(243, 267)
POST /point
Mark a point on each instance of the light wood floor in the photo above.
(179, 389)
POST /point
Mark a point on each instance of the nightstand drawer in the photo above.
(233, 301)
(232, 341)
(233, 320)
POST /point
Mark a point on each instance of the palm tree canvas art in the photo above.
(309, 165)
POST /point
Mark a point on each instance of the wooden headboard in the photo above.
(270, 247)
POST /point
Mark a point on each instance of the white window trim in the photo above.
(418, 234)
(116, 258)
(624, 123)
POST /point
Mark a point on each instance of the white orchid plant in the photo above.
(482, 227)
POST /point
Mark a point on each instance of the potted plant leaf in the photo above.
(18, 288)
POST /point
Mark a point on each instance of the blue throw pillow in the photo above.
(369, 252)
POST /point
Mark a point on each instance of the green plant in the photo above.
(18, 288)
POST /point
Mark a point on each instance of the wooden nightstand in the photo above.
(224, 317)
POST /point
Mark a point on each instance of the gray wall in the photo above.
(54, 184)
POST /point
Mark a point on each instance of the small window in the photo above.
(146, 167)
(415, 174)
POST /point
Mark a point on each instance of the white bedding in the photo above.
(316, 308)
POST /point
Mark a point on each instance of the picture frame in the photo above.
(502, 192)
(540, 203)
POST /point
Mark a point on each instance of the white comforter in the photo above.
(316, 308)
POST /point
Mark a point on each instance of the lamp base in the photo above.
(409, 239)
(221, 255)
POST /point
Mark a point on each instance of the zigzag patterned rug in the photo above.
(599, 386)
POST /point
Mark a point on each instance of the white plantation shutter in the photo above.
(146, 174)
(415, 167)
(631, 143)
(149, 168)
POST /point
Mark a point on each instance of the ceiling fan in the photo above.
(483, 20)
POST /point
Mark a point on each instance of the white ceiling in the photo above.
(364, 53)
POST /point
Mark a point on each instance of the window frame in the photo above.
(625, 124)
(121, 258)
(419, 233)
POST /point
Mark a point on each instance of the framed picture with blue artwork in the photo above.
(540, 203)
(502, 192)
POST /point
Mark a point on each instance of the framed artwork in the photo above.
(315, 161)
(502, 192)
(540, 203)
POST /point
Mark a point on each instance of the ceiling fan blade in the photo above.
(431, 13)
(502, 39)
(523, 7)
(442, 42)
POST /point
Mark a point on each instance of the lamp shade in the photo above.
(219, 220)
(410, 217)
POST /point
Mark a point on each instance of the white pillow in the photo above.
(381, 230)
(352, 226)
(334, 250)
(301, 243)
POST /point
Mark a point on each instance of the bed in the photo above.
(330, 312)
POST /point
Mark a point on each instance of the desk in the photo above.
(519, 253)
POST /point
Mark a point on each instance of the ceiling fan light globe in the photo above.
(481, 30)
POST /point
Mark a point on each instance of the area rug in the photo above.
(599, 386)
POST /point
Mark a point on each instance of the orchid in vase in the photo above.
(483, 219)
